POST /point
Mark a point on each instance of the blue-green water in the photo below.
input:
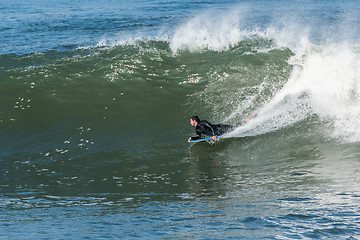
(95, 103)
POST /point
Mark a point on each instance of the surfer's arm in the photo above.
(194, 138)
(197, 136)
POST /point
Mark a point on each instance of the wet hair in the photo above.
(195, 118)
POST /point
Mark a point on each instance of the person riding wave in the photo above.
(206, 128)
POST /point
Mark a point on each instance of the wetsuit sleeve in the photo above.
(203, 127)
(198, 134)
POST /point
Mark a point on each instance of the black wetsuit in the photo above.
(206, 128)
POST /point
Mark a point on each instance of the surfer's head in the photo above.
(194, 120)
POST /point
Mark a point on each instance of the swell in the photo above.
(57, 103)
(104, 98)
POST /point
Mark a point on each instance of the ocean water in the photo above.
(95, 101)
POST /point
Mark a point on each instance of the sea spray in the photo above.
(332, 76)
(213, 30)
(324, 82)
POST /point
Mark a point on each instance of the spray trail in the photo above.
(324, 82)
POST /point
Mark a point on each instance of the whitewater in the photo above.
(323, 80)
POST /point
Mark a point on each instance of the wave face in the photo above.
(95, 107)
(287, 71)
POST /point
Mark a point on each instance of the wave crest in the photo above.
(210, 30)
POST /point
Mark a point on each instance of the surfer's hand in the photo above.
(214, 137)
(189, 139)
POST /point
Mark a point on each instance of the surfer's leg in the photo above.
(239, 124)
(223, 128)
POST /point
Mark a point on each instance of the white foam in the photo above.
(214, 30)
(325, 81)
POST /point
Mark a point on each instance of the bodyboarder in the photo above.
(206, 128)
